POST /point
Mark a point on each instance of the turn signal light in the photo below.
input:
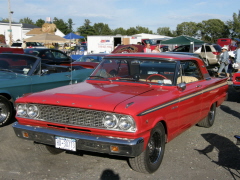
(114, 148)
(25, 134)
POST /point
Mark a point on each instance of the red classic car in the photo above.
(236, 81)
(131, 109)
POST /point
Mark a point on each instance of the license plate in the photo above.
(65, 143)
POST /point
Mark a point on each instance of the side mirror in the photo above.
(181, 86)
(44, 71)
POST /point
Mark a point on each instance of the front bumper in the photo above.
(86, 142)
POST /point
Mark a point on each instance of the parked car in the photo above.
(29, 44)
(236, 81)
(50, 56)
(210, 53)
(148, 101)
(90, 60)
(186, 48)
(11, 50)
(21, 74)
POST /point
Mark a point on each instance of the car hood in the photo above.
(98, 96)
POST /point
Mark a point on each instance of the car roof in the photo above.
(153, 55)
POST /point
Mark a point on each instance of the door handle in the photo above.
(198, 86)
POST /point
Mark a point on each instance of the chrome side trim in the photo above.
(181, 99)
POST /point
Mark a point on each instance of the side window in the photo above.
(190, 72)
(58, 55)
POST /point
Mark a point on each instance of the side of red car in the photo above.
(133, 112)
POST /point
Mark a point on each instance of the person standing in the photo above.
(224, 61)
(24, 45)
(147, 49)
(156, 49)
(237, 57)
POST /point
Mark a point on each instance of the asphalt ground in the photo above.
(199, 154)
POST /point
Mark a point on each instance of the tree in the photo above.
(39, 22)
(234, 26)
(164, 31)
(86, 29)
(120, 30)
(26, 21)
(131, 31)
(187, 28)
(213, 29)
(102, 29)
(141, 29)
(61, 25)
(70, 25)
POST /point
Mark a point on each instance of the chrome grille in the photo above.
(71, 116)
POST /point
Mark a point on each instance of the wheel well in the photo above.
(6, 96)
(165, 127)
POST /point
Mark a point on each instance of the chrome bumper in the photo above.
(86, 142)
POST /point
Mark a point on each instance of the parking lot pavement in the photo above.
(199, 153)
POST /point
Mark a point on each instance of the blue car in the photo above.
(21, 74)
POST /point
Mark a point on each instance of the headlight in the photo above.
(21, 110)
(126, 123)
(110, 121)
(32, 111)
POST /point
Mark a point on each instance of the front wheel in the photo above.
(150, 159)
(46, 149)
(5, 111)
(209, 120)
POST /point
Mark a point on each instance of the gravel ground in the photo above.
(199, 154)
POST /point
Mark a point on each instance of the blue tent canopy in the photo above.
(73, 36)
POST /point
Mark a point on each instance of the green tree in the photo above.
(131, 31)
(86, 29)
(70, 26)
(61, 25)
(27, 21)
(164, 31)
(102, 29)
(39, 22)
(120, 30)
(213, 29)
(187, 28)
(141, 29)
(234, 26)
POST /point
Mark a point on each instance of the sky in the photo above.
(151, 14)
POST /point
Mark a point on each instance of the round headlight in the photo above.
(21, 109)
(110, 121)
(32, 111)
(126, 123)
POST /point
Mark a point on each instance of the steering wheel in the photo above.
(155, 75)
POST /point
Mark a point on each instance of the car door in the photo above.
(190, 99)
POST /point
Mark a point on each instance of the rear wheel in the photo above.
(48, 149)
(5, 110)
(209, 120)
(150, 159)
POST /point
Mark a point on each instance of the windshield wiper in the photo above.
(8, 70)
(99, 77)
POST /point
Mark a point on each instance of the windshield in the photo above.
(141, 71)
(95, 59)
(152, 41)
(17, 63)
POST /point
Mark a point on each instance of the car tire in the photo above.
(46, 149)
(150, 159)
(209, 120)
(6, 110)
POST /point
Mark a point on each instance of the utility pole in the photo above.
(10, 22)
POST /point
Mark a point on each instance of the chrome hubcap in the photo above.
(3, 112)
